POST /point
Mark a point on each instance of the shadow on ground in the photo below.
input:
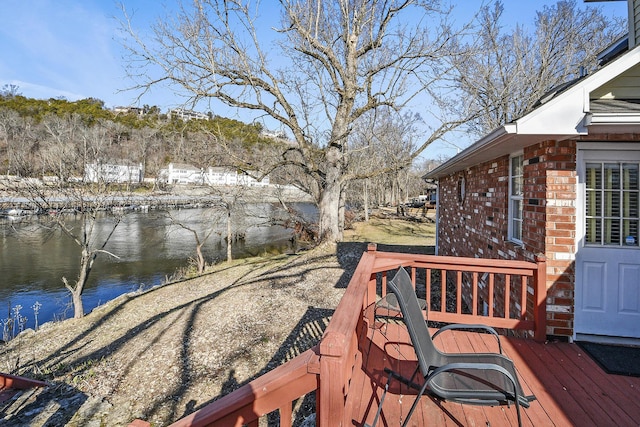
(74, 357)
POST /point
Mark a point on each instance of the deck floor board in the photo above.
(570, 388)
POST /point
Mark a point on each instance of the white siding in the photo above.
(634, 23)
(625, 86)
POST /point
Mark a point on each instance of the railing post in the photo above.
(540, 299)
(331, 390)
(338, 346)
(370, 297)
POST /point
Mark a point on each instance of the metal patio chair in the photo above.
(468, 378)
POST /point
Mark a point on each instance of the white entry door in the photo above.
(607, 293)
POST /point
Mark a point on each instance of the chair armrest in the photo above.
(478, 327)
(477, 366)
(481, 366)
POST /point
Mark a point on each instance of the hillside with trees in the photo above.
(57, 137)
(37, 136)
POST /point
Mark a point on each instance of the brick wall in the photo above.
(477, 226)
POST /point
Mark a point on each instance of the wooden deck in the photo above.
(571, 389)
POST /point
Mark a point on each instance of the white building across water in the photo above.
(179, 173)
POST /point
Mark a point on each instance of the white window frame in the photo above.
(512, 235)
(595, 152)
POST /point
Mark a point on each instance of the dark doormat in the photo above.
(614, 359)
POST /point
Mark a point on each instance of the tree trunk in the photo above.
(86, 262)
(200, 258)
(331, 192)
(341, 212)
(76, 298)
(329, 207)
(229, 256)
(366, 200)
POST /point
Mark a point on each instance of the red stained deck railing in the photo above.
(328, 367)
(504, 279)
(11, 384)
(276, 390)
(18, 383)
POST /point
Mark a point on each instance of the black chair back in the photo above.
(429, 357)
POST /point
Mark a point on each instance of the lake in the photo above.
(150, 247)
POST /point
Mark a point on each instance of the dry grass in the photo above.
(166, 352)
(391, 230)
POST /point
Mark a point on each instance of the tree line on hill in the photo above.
(57, 137)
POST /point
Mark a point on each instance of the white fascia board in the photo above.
(566, 113)
(479, 149)
(613, 119)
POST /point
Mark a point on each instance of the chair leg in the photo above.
(518, 409)
(384, 393)
(415, 404)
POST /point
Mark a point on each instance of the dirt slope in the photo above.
(162, 354)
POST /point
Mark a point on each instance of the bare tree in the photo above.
(96, 228)
(148, 147)
(224, 217)
(382, 146)
(210, 222)
(10, 90)
(12, 127)
(330, 63)
(229, 203)
(512, 69)
(59, 155)
(90, 247)
(69, 146)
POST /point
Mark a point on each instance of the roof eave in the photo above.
(469, 154)
(566, 115)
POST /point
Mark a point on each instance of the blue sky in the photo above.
(70, 48)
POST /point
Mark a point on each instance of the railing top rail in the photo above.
(16, 382)
(391, 260)
(262, 395)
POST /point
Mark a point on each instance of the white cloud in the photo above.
(42, 92)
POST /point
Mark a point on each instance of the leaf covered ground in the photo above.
(164, 353)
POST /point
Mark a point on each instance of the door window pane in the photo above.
(630, 176)
(594, 233)
(611, 232)
(630, 232)
(594, 176)
(612, 203)
(630, 204)
(612, 176)
(593, 200)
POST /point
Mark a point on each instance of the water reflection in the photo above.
(150, 247)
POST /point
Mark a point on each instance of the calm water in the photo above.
(33, 260)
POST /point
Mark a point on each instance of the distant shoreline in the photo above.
(176, 197)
